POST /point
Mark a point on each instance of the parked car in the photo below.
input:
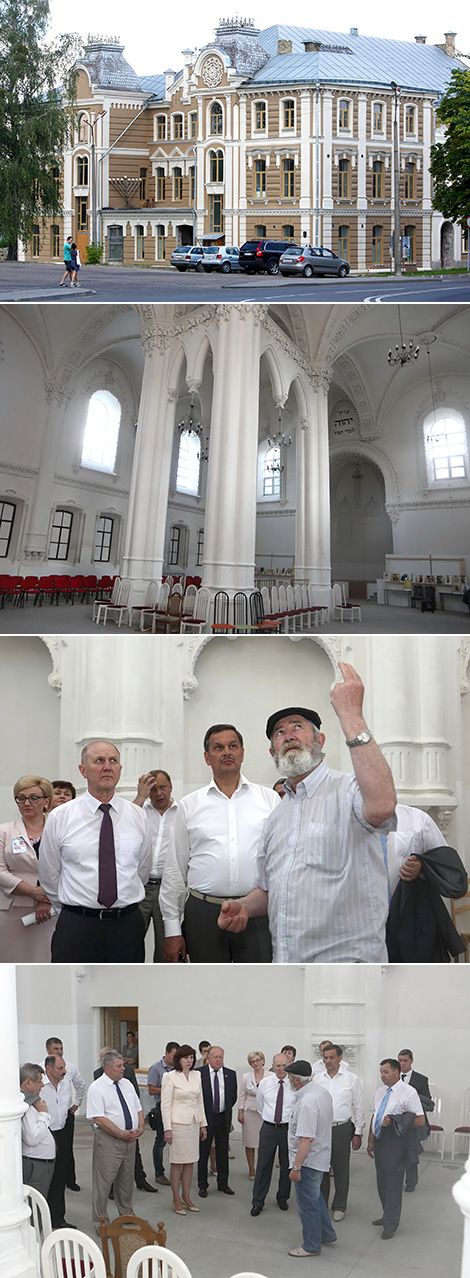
(263, 255)
(310, 261)
(187, 258)
(220, 257)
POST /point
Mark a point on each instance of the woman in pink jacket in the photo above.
(20, 891)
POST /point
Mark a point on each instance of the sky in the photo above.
(153, 39)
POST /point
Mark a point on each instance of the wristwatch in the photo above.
(362, 738)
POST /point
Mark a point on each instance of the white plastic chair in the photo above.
(40, 1218)
(200, 615)
(437, 1132)
(168, 1265)
(67, 1253)
(119, 609)
(112, 599)
(250, 1275)
(149, 602)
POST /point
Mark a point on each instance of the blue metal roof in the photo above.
(153, 84)
(371, 61)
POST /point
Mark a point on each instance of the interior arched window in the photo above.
(101, 431)
(187, 472)
(272, 473)
(446, 447)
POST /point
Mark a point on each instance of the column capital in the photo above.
(58, 392)
(321, 379)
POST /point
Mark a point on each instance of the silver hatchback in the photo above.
(221, 257)
(308, 261)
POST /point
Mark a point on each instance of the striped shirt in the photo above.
(323, 867)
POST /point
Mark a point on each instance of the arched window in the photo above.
(82, 170)
(288, 179)
(272, 473)
(343, 179)
(377, 180)
(101, 431)
(187, 472)
(446, 447)
(60, 534)
(216, 118)
(103, 539)
(216, 166)
(177, 184)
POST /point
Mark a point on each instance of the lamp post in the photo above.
(396, 183)
(93, 170)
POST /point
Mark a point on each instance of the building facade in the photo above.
(287, 133)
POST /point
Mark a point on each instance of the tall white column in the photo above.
(312, 550)
(230, 526)
(15, 1261)
(35, 546)
(145, 533)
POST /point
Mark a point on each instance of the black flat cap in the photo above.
(311, 715)
(302, 1068)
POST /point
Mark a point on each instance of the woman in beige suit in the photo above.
(20, 891)
(184, 1122)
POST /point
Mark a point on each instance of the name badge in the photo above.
(19, 845)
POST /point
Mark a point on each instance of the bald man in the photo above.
(95, 855)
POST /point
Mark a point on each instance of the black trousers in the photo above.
(216, 1130)
(84, 938)
(56, 1195)
(272, 1137)
(69, 1129)
(390, 1169)
(207, 943)
(341, 1138)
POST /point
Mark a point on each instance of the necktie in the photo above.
(216, 1093)
(403, 1077)
(380, 1113)
(107, 878)
(278, 1109)
(125, 1108)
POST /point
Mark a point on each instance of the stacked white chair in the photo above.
(118, 610)
(148, 1262)
(40, 1219)
(150, 601)
(67, 1253)
(113, 598)
(199, 619)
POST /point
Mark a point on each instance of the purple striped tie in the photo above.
(279, 1098)
(107, 877)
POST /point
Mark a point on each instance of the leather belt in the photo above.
(39, 1160)
(275, 1124)
(342, 1122)
(106, 915)
(154, 881)
(213, 900)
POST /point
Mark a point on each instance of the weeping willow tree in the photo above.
(37, 90)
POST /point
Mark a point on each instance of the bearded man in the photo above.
(322, 874)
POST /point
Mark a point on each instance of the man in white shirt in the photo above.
(154, 796)
(309, 1157)
(274, 1101)
(55, 1047)
(212, 854)
(37, 1142)
(321, 868)
(96, 854)
(118, 1119)
(345, 1089)
(56, 1091)
(393, 1140)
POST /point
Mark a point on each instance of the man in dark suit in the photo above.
(219, 1090)
(139, 1172)
(421, 1085)
(397, 1112)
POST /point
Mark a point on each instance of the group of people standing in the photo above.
(72, 264)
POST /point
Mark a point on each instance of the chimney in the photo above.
(449, 37)
(169, 77)
(420, 39)
(187, 54)
(284, 46)
(354, 31)
(312, 46)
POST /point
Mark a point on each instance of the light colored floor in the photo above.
(224, 1239)
(375, 619)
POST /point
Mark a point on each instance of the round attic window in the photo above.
(212, 71)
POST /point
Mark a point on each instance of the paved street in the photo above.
(26, 282)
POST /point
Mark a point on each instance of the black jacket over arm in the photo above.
(419, 927)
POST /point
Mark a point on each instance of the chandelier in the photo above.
(191, 426)
(279, 440)
(403, 353)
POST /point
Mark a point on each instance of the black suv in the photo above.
(263, 255)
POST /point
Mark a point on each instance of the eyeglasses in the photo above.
(32, 798)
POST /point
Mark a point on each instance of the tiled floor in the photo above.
(224, 1240)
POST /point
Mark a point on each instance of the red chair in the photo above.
(30, 587)
(46, 587)
(13, 588)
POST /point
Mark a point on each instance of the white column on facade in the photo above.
(148, 499)
(230, 525)
(312, 540)
(236, 175)
(15, 1260)
(461, 1194)
(305, 154)
(327, 202)
(35, 546)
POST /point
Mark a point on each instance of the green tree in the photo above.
(37, 89)
(450, 159)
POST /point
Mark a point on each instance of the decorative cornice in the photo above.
(90, 487)
(156, 336)
(319, 378)
(7, 469)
